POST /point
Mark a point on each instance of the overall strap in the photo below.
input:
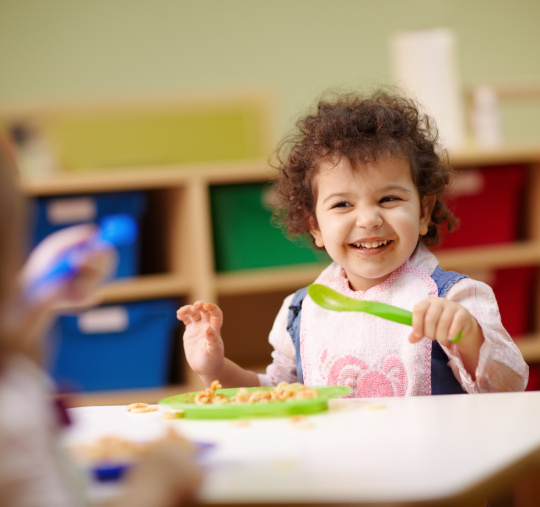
(443, 380)
(293, 327)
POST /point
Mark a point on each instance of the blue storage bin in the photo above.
(114, 346)
(51, 214)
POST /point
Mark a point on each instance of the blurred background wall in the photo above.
(294, 49)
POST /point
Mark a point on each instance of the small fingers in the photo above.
(184, 314)
(461, 322)
(211, 339)
(200, 310)
(439, 319)
(419, 313)
(214, 313)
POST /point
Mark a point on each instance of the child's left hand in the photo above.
(442, 320)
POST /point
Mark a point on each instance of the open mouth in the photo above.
(371, 245)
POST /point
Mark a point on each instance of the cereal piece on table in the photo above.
(374, 406)
(301, 422)
(140, 408)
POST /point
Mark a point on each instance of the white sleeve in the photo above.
(34, 471)
(501, 366)
(283, 366)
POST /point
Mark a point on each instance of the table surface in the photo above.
(442, 450)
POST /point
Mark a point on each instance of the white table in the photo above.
(438, 450)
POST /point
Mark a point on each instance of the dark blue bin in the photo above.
(51, 214)
(122, 346)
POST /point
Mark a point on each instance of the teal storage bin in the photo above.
(118, 346)
(244, 237)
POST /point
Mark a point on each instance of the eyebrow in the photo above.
(334, 196)
(397, 187)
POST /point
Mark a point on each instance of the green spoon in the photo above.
(332, 300)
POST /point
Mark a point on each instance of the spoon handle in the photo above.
(387, 312)
(332, 300)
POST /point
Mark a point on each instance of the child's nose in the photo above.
(369, 218)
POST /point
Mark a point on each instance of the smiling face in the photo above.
(368, 219)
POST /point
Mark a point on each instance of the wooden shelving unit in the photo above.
(186, 229)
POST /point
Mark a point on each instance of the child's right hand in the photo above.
(203, 345)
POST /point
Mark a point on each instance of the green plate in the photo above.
(190, 410)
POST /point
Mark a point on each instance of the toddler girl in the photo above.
(363, 177)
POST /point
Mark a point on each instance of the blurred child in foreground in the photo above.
(34, 469)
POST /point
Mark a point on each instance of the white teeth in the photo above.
(371, 244)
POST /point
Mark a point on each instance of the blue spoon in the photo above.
(112, 231)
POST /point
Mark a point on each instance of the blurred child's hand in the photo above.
(167, 476)
(30, 313)
(80, 289)
(202, 339)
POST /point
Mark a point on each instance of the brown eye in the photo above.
(390, 198)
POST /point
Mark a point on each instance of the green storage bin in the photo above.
(244, 237)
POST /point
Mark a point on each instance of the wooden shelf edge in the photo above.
(127, 396)
(264, 279)
(491, 256)
(144, 287)
(150, 395)
(292, 277)
(152, 177)
(526, 154)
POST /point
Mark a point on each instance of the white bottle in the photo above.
(486, 118)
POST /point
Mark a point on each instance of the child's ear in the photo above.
(428, 203)
(315, 232)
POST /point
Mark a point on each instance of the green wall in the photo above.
(294, 49)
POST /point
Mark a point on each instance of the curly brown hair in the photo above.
(361, 129)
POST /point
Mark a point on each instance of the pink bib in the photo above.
(370, 354)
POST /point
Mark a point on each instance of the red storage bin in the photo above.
(534, 378)
(513, 288)
(487, 203)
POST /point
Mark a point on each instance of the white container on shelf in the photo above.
(423, 64)
(486, 118)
